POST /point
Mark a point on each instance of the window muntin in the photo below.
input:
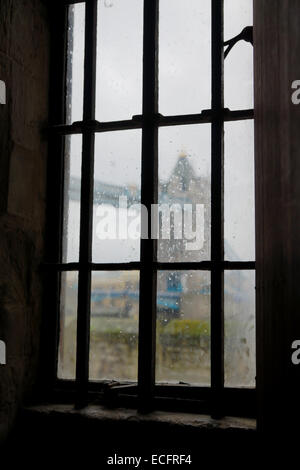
(149, 122)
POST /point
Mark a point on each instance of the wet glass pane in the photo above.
(239, 311)
(114, 325)
(238, 66)
(72, 188)
(117, 193)
(184, 193)
(183, 327)
(184, 56)
(239, 191)
(75, 63)
(119, 59)
(68, 326)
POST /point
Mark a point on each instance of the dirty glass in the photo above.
(75, 63)
(114, 325)
(72, 188)
(184, 56)
(238, 65)
(184, 193)
(239, 311)
(68, 326)
(119, 59)
(117, 196)
(183, 327)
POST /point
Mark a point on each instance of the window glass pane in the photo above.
(184, 193)
(72, 188)
(238, 66)
(183, 327)
(239, 191)
(119, 59)
(68, 326)
(117, 193)
(114, 325)
(184, 56)
(239, 311)
(75, 63)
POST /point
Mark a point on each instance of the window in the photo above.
(156, 129)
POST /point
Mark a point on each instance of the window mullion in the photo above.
(147, 319)
(86, 212)
(217, 231)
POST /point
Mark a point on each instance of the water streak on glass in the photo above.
(117, 195)
(184, 56)
(184, 193)
(239, 217)
(68, 326)
(183, 327)
(238, 66)
(119, 59)
(239, 311)
(75, 63)
(114, 325)
(72, 188)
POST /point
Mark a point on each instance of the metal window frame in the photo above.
(146, 395)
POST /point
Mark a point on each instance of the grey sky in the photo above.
(184, 88)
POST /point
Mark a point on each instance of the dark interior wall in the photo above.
(277, 65)
(24, 64)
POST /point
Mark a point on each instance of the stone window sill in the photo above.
(173, 419)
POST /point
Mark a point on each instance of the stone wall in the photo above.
(24, 67)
